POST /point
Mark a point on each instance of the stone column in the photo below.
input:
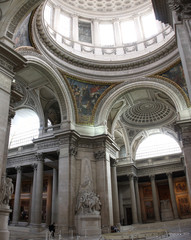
(133, 199)
(10, 62)
(115, 193)
(38, 192)
(172, 195)
(32, 217)
(96, 32)
(103, 182)
(16, 208)
(64, 185)
(155, 198)
(117, 33)
(49, 201)
(54, 195)
(75, 30)
(138, 200)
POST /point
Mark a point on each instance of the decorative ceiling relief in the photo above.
(175, 73)
(86, 97)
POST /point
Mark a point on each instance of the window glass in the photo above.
(48, 14)
(106, 34)
(149, 25)
(157, 145)
(64, 27)
(84, 29)
(25, 126)
(128, 32)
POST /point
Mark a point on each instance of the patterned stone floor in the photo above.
(176, 230)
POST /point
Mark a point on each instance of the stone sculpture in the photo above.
(7, 189)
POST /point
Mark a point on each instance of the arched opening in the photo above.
(24, 128)
(157, 145)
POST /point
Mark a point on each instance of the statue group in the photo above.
(88, 203)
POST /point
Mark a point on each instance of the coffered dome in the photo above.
(148, 114)
(108, 7)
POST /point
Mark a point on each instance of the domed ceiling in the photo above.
(109, 7)
(148, 114)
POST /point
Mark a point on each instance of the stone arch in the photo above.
(55, 79)
(162, 85)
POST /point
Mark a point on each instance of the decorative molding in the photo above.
(28, 6)
(20, 160)
(73, 151)
(181, 7)
(186, 141)
(47, 144)
(99, 155)
(113, 162)
(45, 40)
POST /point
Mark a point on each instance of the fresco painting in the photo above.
(86, 95)
(176, 74)
(22, 35)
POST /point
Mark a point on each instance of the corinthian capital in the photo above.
(181, 7)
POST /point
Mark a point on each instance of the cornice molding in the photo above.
(10, 61)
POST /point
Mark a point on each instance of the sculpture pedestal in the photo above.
(88, 225)
(4, 217)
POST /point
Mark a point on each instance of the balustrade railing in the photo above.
(90, 49)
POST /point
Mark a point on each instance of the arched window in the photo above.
(24, 128)
(157, 145)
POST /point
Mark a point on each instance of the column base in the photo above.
(4, 218)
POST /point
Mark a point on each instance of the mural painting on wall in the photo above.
(176, 74)
(22, 35)
(184, 206)
(86, 96)
(180, 187)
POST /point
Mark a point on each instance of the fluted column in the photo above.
(16, 209)
(54, 195)
(155, 198)
(32, 217)
(133, 199)
(172, 195)
(39, 191)
(138, 200)
(115, 192)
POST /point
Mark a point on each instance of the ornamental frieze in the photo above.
(159, 170)
(22, 160)
(48, 144)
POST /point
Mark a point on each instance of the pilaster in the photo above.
(115, 194)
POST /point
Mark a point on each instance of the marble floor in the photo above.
(176, 230)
